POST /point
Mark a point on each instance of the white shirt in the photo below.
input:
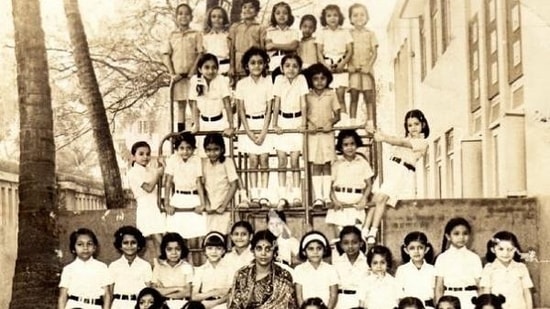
(236, 261)
(137, 175)
(179, 275)
(351, 276)
(130, 278)
(216, 43)
(279, 35)
(316, 282)
(290, 92)
(419, 283)
(207, 277)
(185, 173)
(458, 267)
(254, 94)
(509, 281)
(334, 41)
(85, 278)
(210, 103)
(381, 292)
(411, 155)
(351, 173)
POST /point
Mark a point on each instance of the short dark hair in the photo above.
(186, 6)
(193, 304)
(255, 51)
(254, 3)
(331, 7)
(453, 300)
(158, 299)
(310, 18)
(137, 145)
(408, 302)
(315, 69)
(348, 133)
(267, 236)
(350, 229)
(292, 56)
(173, 237)
(185, 137)
(305, 241)
(290, 20)
(128, 230)
(244, 224)
(82, 231)
(216, 139)
(493, 300)
(314, 301)
(383, 251)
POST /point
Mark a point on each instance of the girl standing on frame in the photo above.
(457, 269)
(180, 54)
(365, 52)
(323, 111)
(307, 48)
(289, 93)
(334, 49)
(143, 178)
(220, 183)
(254, 96)
(216, 37)
(399, 181)
(280, 39)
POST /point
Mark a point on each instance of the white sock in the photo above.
(373, 231)
(317, 184)
(327, 182)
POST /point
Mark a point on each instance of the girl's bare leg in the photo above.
(354, 99)
(283, 162)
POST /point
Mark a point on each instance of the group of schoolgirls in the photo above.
(344, 277)
(266, 66)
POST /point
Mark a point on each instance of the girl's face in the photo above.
(314, 252)
(213, 152)
(414, 126)
(459, 236)
(504, 250)
(142, 156)
(275, 226)
(173, 252)
(333, 18)
(256, 65)
(379, 266)
(146, 301)
(264, 252)
(84, 247)
(319, 81)
(445, 305)
(281, 16)
(183, 16)
(184, 150)
(216, 19)
(351, 244)
(307, 27)
(209, 69)
(349, 147)
(214, 253)
(359, 17)
(240, 237)
(416, 251)
(291, 68)
(248, 11)
(129, 246)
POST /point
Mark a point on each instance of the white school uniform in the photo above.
(419, 283)
(381, 292)
(129, 280)
(279, 35)
(350, 279)
(459, 268)
(334, 48)
(209, 277)
(217, 43)
(316, 282)
(399, 181)
(217, 181)
(85, 279)
(349, 175)
(509, 281)
(185, 174)
(236, 261)
(290, 94)
(149, 219)
(255, 97)
(180, 274)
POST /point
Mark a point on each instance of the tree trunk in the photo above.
(94, 101)
(37, 266)
(235, 13)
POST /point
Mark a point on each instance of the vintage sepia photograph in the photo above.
(259, 154)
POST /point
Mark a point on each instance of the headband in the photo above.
(314, 236)
(214, 235)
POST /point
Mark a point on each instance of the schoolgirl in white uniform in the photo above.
(280, 39)
(184, 207)
(85, 282)
(417, 274)
(457, 269)
(216, 37)
(241, 254)
(130, 272)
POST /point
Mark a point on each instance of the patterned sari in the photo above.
(274, 291)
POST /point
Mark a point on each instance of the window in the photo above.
(438, 169)
(492, 47)
(449, 145)
(427, 178)
(513, 40)
(445, 24)
(423, 65)
(434, 28)
(144, 127)
(495, 159)
(473, 30)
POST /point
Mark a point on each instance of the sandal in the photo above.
(318, 203)
(254, 203)
(283, 203)
(371, 239)
(264, 202)
(297, 202)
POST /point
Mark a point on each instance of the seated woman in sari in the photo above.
(263, 284)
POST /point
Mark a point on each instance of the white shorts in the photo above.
(149, 219)
(123, 304)
(188, 224)
(346, 301)
(345, 216)
(399, 183)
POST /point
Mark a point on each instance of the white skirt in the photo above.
(188, 224)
